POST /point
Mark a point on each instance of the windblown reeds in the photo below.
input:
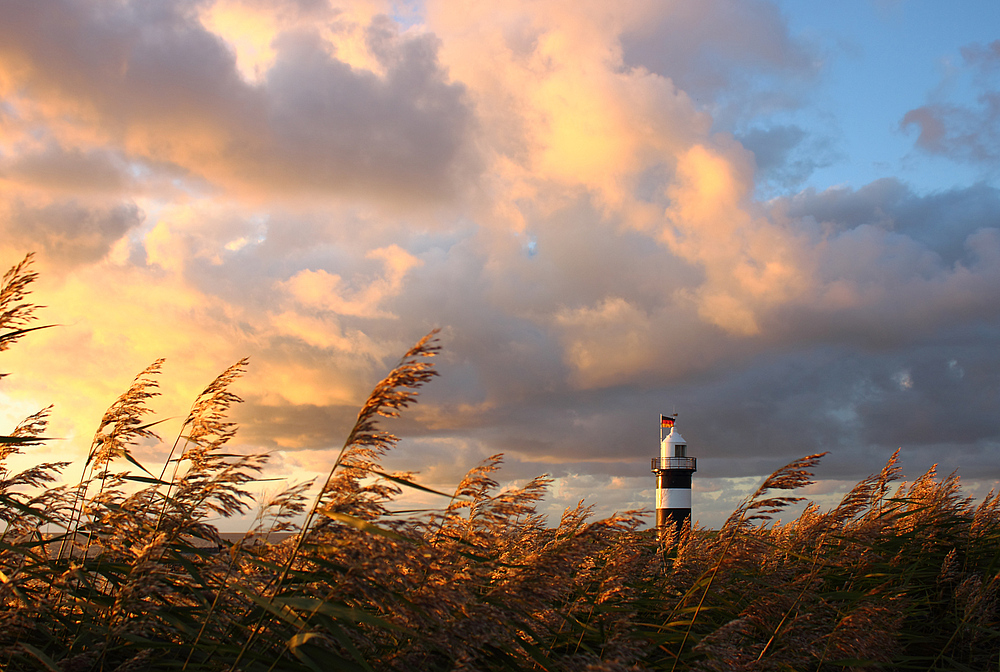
(115, 574)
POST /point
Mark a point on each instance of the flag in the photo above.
(666, 422)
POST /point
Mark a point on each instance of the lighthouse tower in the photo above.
(673, 469)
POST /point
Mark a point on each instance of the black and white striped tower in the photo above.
(673, 469)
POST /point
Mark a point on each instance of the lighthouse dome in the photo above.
(673, 445)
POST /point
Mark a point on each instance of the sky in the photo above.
(780, 220)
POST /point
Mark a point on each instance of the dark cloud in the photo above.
(68, 233)
(940, 221)
(785, 155)
(319, 9)
(333, 125)
(302, 426)
(748, 420)
(883, 290)
(169, 90)
(739, 56)
(945, 394)
(132, 62)
(959, 133)
(963, 132)
(69, 170)
(984, 57)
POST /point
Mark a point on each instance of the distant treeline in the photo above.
(894, 578)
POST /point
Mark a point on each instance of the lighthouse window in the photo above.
(680, 450)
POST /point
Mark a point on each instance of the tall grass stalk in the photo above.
(392, 394)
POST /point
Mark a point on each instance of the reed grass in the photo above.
(898, 576)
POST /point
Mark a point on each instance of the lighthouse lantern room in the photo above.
(673, 469)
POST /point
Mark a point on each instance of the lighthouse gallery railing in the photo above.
(661, 463)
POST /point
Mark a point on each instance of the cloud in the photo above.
(984, 57)
(322, 290)
(751, 262)
(785, 155)
(940, 221)
(150, 79)
(959, 131)
(737, 58)
(73, 170)
(893, 264)
(556, 104)
(334, 126)
(66, 231)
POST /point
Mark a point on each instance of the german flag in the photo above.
(666, 421)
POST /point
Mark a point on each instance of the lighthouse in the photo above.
(673, 469)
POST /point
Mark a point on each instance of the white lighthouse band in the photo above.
(673, 469)
(669, 498)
